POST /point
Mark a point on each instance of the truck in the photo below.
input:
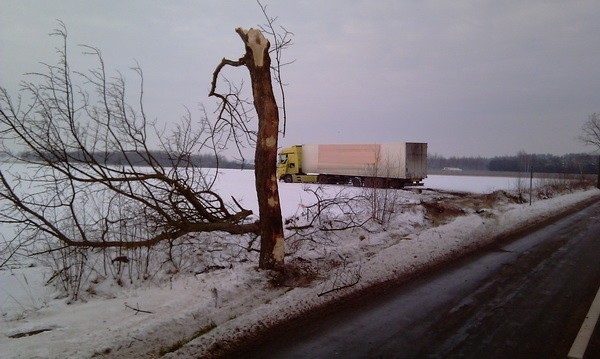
(389, 165)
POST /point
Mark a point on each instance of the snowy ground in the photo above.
(188, 313)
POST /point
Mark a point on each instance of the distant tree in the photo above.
(504, 163)
(580, 163)
(438, 162)
(591, 131)
(591, 136)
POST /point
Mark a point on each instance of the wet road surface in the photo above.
(520, 299)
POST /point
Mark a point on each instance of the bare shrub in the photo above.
(345, 275)
(564, 183)
(380, 191)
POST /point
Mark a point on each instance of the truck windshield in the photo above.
(283, 158)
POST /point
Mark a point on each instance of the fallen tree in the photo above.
(73, 123)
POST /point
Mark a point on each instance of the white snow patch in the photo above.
(227, 303)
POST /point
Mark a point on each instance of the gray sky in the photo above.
(468, 77)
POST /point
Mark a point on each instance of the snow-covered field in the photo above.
(186, 313)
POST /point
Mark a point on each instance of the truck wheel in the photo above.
(394, 183)
(357, 182)
(287, 179)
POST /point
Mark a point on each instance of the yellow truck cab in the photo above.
(289, 166)
(288, 162)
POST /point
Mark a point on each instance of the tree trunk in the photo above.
(258, 61)
(598, 179)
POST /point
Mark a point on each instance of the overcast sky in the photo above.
(468, 77)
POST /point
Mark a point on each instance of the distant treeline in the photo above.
(135, 158)
(522, 162)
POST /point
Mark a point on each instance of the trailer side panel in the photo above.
(391, 160)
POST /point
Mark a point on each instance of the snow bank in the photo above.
(409, 256)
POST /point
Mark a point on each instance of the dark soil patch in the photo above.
(29, 333)
(442, 210)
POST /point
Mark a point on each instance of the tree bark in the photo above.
(258, 62)
(598, 179)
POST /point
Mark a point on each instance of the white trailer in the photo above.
(381, 165)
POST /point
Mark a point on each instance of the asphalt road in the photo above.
(524, 298)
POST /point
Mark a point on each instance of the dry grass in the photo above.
(443, 209)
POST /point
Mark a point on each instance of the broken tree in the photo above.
(258, 62)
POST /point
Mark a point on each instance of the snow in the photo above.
(191, 312)
(476, 184)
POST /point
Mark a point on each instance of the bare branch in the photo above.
(87, 144)
(137, 309)
(281, 40)
(344, 277)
